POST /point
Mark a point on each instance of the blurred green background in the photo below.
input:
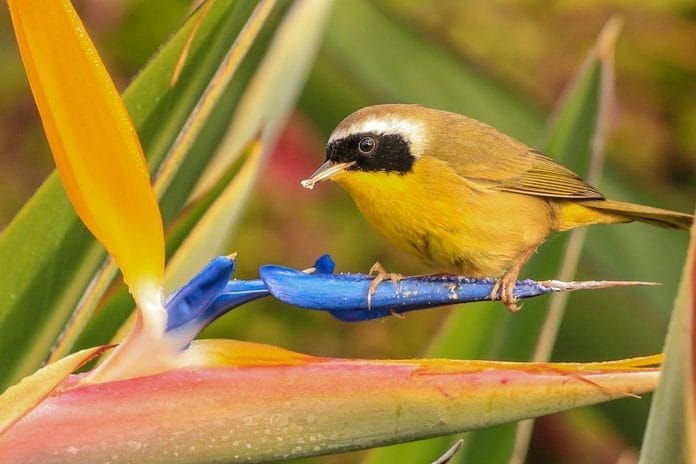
(504, 62)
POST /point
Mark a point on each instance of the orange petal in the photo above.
(96, 149)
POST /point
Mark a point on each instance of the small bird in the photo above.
(462, 195)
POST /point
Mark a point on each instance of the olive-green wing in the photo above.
(546, 178)
(487, 157)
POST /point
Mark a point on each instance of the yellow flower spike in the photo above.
(96, 149)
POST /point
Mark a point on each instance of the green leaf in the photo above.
(263, 109)
(669, 436)
(53, 258)
(19, 399)
(209, 236)
(271, 93)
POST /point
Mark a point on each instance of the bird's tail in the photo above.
(648, 214)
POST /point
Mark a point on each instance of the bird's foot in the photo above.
(503, 289)
(380, 276)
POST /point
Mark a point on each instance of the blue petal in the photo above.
(192, 299)
(345, 295)
(235, 293)
(324, 265)
(209, 295)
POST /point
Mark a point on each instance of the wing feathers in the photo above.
(493, 160)
(541, 176)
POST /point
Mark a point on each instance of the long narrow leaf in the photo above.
(671, 432)
(209, 237)
(272, 92)
(21, 398)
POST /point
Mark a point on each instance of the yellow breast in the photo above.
(448, 220)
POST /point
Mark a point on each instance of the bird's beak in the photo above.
(325, 171)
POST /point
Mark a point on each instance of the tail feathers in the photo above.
(647, 214)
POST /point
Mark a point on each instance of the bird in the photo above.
(462, 195)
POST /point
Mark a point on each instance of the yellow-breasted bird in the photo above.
(461, 194)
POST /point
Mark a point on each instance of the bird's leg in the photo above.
(380, 276)
(504, 286)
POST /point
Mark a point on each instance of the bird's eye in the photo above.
(366, 145)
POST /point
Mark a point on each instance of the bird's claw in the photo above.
(380, 276)
(503, 290)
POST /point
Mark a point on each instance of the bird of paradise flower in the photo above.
(159, 395)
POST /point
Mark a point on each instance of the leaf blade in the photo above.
(669, 436)
(20, 399)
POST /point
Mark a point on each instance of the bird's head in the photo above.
(379, 139)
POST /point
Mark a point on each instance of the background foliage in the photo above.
(500, 61)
